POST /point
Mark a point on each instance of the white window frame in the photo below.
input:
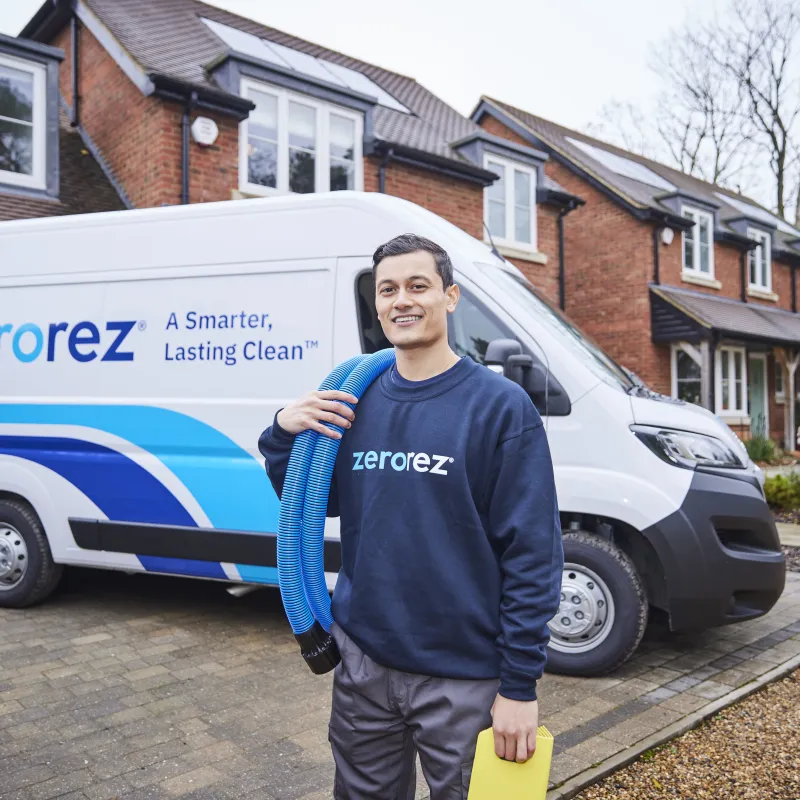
(38, 178)
(694, 354)
(728, 351)
(322, 163)
(697, 215)
(764, 252)
(508, 240)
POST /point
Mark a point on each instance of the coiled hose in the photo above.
(301, 523)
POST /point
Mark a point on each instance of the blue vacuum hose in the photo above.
(301, 524)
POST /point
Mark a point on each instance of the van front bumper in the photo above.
(720, 553)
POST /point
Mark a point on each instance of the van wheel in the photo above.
(603, 611)
(28, 573)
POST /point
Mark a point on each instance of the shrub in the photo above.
(761, 448)
(783, 491)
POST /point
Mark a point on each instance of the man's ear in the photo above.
(453, 293)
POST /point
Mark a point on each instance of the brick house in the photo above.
(189, 103)
(687, 284)
(46, 168)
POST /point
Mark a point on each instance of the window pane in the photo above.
(725, 396)
(343, 137)
(738, 367)
(522, 224)
(688, 378)
(263, 121)
(703, 223)
(301, 171)
(497, 218)
(705, 266)
(751, 260)
(739, 400)
(497, 191)
(342, 175)
(724, 356)
(688, 251)
(522, 189)
(16, 94)
(473, 330)
(16, 147)
(302, 126)
(262, 162)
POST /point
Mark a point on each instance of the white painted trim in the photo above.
(727, 351)
(762, 357)
(698, 215)
(508, 240)
(38, 178)
(700, 280)
(107, 39)
(322, 154)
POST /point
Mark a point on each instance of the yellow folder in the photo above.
(495, 778)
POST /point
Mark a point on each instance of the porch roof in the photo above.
(683, 314)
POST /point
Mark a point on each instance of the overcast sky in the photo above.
(560, 60)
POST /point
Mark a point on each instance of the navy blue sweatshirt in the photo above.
(450, 535)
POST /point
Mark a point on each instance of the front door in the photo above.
(757, 395)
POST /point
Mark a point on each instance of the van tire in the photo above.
(43, 574)
(616, 570)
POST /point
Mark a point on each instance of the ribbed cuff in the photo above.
(524, 694)
(279, 434)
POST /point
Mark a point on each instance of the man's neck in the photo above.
(426, 362)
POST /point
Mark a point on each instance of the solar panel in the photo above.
(288, 58)
(760, 214)
(623, 166)
(245, 43)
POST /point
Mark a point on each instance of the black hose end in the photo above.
(319, 649)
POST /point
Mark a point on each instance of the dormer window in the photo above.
(292, 143)
(510, 204)
(23, 124)
(760, 260)
(698, 243)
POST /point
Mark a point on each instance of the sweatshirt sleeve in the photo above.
(275, 444)
(524, 524)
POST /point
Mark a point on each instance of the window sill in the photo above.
(780, 399)
(523, 255)
(762, 294)
(700, 280)
(732, 418)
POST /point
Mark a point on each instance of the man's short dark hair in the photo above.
(411, 243)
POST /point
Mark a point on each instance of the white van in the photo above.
(142, 353)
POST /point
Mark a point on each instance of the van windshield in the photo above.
(583, 347)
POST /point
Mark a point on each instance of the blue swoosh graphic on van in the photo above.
(229, 484)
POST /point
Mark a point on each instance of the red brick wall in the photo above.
(496, 128)
(140, 137)
(457, 201)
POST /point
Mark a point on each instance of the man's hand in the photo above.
(316, 408)
(514, 723)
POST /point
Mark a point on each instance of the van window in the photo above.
(372, 338)
(471, 329)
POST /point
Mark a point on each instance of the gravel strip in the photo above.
(792, 558)
(750, 751)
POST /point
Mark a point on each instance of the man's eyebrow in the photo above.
(420, 278)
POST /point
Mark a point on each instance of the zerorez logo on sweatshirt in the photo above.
(402, 462)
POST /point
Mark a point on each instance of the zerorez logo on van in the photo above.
(402, 462)
(84, 341)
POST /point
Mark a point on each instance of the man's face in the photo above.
(411, 302)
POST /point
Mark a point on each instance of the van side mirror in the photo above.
(506, 357)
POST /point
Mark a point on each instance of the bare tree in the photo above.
(760, 50)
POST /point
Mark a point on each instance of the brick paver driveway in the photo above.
(143, 687)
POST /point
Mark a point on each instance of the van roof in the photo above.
(329, 224)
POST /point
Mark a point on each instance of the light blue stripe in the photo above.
(251, 574)
(229, 484)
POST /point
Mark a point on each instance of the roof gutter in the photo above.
(47, 21)
(443, 166)
(177, 91)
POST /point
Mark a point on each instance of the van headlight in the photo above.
(688, 450)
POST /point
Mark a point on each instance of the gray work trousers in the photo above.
(381, 718)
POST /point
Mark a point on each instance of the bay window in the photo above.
(698, 243)
(760, 260)
(293, 143)
(22, 123)
(687, 374)
(510, 203)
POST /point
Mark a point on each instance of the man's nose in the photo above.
(402, 300)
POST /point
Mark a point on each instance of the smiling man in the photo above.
(451, 547)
